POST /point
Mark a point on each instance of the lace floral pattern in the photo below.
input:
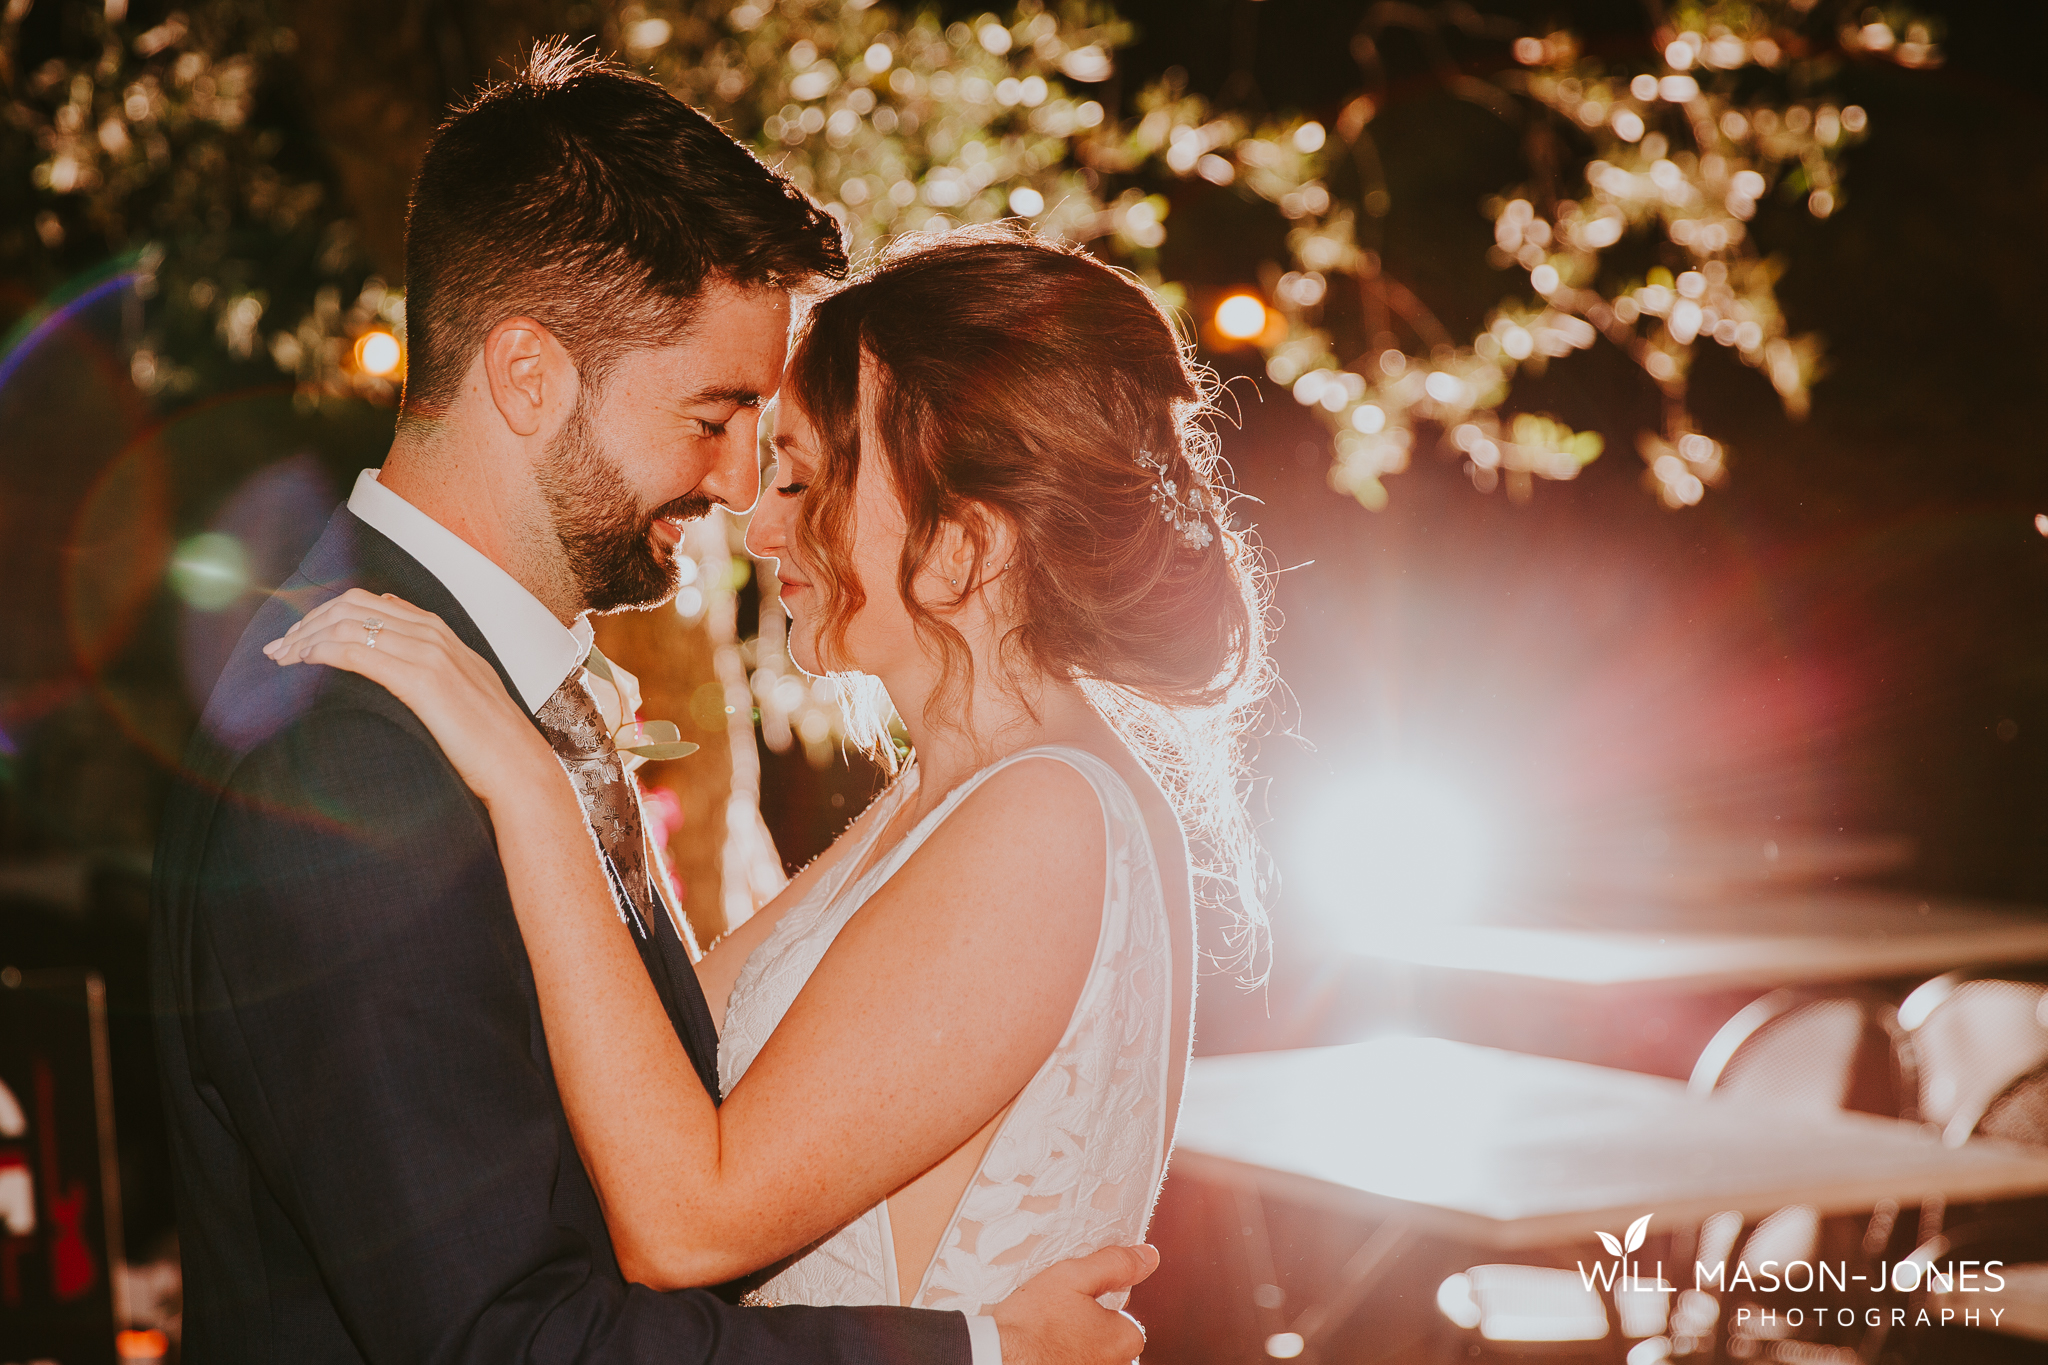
(1077, 1163)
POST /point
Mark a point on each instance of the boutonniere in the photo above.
(638, 741)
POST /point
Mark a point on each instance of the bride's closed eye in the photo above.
(790, 490)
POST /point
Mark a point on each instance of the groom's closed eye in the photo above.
(726, 402)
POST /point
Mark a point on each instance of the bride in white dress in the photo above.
(952, 1049)
(1080, 1153)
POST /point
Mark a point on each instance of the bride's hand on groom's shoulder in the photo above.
(1055, 1319)
(413, 655)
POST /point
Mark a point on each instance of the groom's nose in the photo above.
(734, 477)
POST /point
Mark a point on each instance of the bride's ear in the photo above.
(998, 546)
(974, 552)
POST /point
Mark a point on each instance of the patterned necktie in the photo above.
(577, 731)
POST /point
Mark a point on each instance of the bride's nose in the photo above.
(768, 527)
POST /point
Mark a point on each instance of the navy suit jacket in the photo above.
(371, 1158)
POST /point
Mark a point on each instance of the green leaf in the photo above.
(655, 753)
(644, 732)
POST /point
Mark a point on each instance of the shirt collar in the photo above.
(537, 650)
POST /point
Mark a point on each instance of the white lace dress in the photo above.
(1077, 1163)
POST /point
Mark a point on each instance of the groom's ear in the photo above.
(529, 374)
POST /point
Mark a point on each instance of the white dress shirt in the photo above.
(537, 650)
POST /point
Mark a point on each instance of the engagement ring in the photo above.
(371, 625)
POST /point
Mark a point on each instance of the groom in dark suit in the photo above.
(372, 1160)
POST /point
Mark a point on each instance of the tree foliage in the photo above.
(227, 160)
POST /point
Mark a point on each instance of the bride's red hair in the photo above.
(1018, 379)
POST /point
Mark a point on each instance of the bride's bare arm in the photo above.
(932, 1010)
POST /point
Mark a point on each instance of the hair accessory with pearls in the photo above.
(1181, 511)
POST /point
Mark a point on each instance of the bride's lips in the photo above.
(790, 587)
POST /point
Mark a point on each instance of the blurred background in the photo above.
(1640, 400)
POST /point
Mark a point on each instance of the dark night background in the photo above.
(1846, 640)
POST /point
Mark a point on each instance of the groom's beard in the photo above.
(607, 538)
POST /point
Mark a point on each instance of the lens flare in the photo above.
(272, 519)
(116, 553)
(210, 570)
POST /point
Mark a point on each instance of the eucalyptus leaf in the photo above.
(656, 753)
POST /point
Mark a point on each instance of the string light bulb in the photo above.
(1241, 317)
(378, 353)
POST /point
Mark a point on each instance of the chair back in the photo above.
(1974, 1033)
(1813, 1048)
(2020, 1113)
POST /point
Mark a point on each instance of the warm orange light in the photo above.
(1241, 317)
(144, 1345)
(378, 353)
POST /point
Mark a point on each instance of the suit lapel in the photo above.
(353, 553)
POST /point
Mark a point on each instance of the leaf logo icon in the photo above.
(1637, 1232)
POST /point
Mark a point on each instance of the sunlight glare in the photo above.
(1397, 844)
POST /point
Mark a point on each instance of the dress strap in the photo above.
(1119, 806)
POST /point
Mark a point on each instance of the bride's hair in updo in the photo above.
(1021, 380)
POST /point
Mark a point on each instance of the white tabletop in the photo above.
(1498, 1149)
(1761, 942)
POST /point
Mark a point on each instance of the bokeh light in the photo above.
(378, 353)
(1241, 317)
(142, 1344)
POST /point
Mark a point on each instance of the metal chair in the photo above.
(1827, 1049)
(1973, 1033)
(2017, 1240)
(2020, 1113)
(1839, 1048)
(1969, 1334)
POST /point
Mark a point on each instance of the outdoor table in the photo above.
(1499, 1151)
(1637, 984)
(1761, 942)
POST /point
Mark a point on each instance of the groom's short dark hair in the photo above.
(597, 203)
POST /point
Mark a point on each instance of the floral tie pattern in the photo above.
(576, 730)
